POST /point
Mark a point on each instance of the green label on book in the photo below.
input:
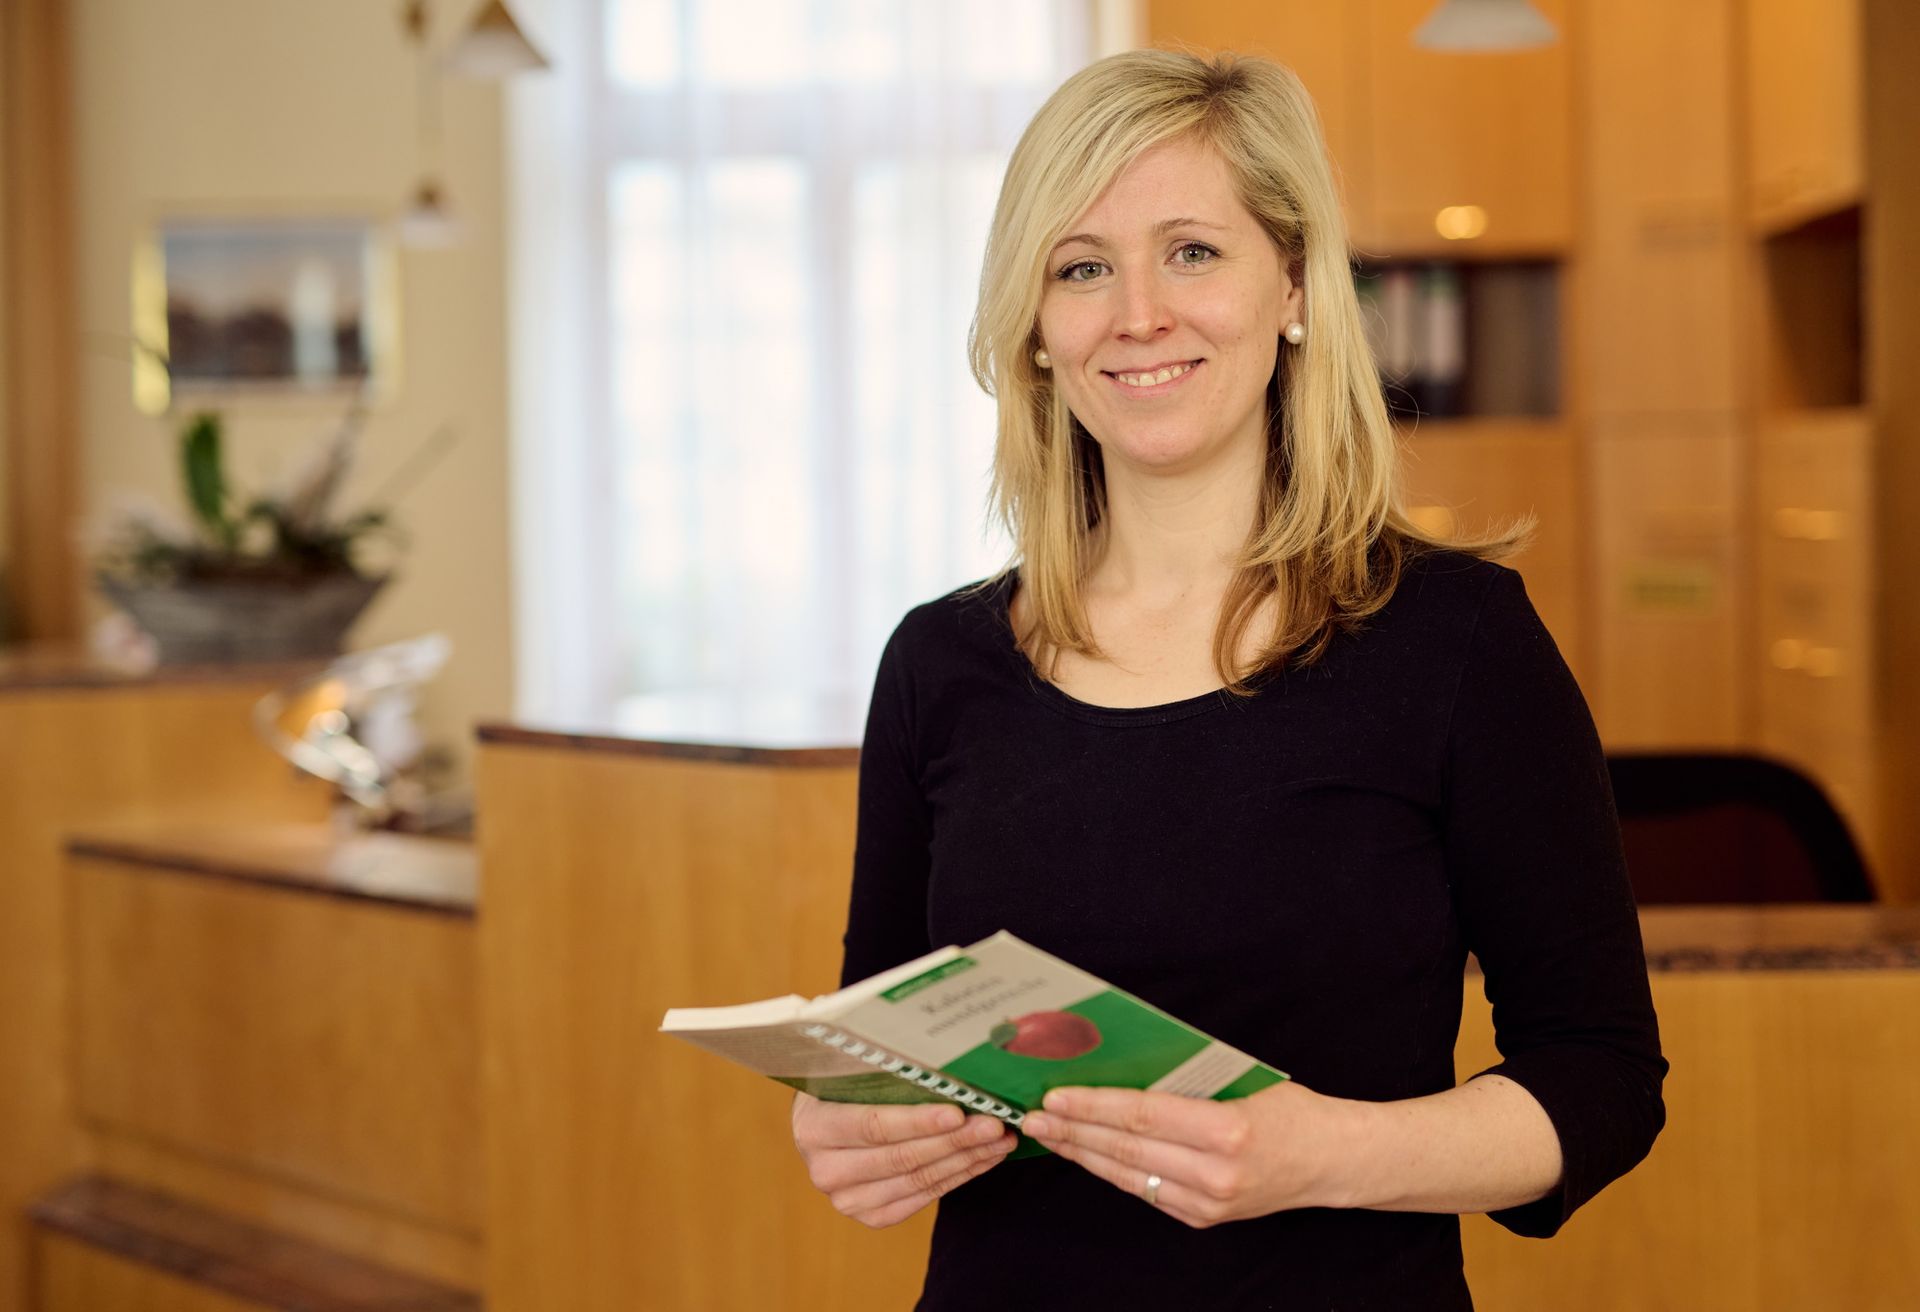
(934, 976)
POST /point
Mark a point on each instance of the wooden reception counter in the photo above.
(83, 741)
(680, 857)
(274, 1027)
(1784, 1176)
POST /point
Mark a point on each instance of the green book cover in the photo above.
(992, 1026)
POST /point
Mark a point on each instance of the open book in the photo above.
(992, 1027)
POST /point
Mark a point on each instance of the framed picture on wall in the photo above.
(298, 306)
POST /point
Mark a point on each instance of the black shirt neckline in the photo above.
(1072, 707)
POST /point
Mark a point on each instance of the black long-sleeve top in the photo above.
(1300, 874)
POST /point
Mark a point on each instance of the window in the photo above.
(747, 240)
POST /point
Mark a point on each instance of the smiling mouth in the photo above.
(1155, 380)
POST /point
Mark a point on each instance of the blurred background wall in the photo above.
(282, 108)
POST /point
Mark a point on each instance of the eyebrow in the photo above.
(1160, 229)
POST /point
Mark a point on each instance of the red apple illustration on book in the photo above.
(1048, 1035)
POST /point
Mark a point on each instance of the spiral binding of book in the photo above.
(881, 1059)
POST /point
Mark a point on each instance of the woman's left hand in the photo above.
(1280, 1148)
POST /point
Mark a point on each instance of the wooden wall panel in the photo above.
(326, 1043)
(40, 408)
(625, 1169)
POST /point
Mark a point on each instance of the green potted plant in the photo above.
(262, 578)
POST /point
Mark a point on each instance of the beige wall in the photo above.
(272, 106)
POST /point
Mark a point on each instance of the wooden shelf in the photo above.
(1812, 325)
(1465, 338)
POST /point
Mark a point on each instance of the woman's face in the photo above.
(1167, 270)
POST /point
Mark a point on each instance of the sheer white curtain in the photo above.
(747, 236)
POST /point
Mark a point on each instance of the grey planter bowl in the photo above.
(245, 620)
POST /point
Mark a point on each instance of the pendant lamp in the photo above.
(428, 224)
(493, 46)
(1469, 25)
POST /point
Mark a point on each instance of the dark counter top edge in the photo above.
(232, 1256)
(183, 676)
(1760, 959)
(521, 735)
(76, 670)
(146, 858)
(1720, 961)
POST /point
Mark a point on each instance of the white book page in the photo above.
(776, 1011)
(830, 1006)
(747, 1015)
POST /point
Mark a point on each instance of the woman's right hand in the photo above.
(881, 1163)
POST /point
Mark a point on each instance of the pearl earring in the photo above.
(1041, 358)
(1296, 332)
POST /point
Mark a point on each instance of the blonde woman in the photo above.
(1236, 736)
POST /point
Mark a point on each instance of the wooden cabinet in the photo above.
(1670, 650)
(1835, 200)
(646, 868)
(1783, 1176)
(1816, 600)
(1734, 481)
(1446, 130)
(78, 744)
(1662, 231)
(1414, 132)
(327, 1043)
(1803, 100)
(1656, 290)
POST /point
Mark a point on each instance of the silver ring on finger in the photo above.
(1152, 1192)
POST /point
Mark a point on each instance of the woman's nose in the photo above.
(1144, 310)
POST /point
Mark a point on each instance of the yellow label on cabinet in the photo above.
(1672, 585)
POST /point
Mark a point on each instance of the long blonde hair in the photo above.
(1331, 534)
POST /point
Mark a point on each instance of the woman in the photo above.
(1237, 737)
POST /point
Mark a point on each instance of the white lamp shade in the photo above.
(428, 224)
(493, 46)
(1485, 25)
